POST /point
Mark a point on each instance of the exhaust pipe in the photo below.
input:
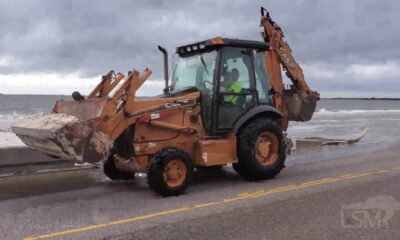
(165, 55)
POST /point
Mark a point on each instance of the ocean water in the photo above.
(336, 119)
(15, 107)
(344, 119)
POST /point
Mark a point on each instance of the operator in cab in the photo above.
(232, 85)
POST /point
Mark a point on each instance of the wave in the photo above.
(323, 111)
(9, 118)
(6, 120)
(14, 116)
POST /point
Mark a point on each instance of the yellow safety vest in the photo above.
(236, 87)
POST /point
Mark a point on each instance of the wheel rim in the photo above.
(174, 173)
(267, 148)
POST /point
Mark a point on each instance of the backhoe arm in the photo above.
(296, 109)
(274, 36)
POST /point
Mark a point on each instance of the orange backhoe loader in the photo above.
(225, 104)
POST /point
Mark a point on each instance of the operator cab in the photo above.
(231, 75)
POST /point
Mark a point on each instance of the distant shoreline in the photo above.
(323, 98)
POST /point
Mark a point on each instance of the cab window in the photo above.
(262, 78)
(235, 82)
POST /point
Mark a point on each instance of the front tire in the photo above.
(261, 150)
(170, 172)
(111, 171)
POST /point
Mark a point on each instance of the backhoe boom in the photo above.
(299, 101)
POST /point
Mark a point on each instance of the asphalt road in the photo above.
(356, 197)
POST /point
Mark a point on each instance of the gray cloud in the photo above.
(93, 37)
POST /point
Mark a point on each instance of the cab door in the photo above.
(237, 92)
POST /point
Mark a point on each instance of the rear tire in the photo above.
(261, 150)
(111, 171)
(170, 172)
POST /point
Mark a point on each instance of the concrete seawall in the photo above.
(23, 160)
(19, 160)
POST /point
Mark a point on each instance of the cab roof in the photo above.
(217, 42)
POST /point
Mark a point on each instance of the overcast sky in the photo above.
(346, 48)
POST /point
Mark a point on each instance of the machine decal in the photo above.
(154, 116)
(285, 57)
(178, 103)
(205, 157)
(151, 144)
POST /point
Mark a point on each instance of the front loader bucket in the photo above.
(82, 130)
(70, 132)
(301, 106)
